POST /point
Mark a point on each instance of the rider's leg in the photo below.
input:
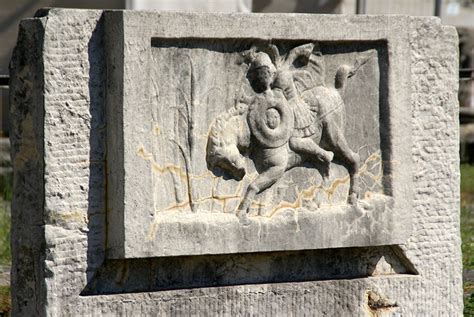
(309, 147)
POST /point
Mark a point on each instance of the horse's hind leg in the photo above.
(263, 181)
(335, 138)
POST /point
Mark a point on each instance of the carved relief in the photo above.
(263, 132)
(235, 145)
(286, 121)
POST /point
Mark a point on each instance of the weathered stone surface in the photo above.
(61, 70)
(192, 167)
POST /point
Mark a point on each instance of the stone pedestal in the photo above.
(234, 164)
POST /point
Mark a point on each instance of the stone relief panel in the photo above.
(244, 145)
(259, 129)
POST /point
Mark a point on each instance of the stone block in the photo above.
(234, 164)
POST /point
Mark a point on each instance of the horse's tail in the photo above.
(342, 74)
(345, 71)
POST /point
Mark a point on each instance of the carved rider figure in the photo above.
(264, 76)
(271, 119)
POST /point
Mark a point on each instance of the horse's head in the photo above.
(227, 158)
(228, 134)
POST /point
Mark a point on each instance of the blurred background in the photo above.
(459, 13)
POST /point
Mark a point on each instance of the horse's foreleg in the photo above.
(335, 138)
(263, 181)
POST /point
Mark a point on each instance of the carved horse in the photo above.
(243, 128)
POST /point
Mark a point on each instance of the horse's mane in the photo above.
(220, 124)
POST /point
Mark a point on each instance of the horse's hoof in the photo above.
(358, 210)
(326, 179)
(353, 199)
(356, 158)
(243, 217)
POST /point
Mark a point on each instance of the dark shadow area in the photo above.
(222, 45)
(28, 192)
(96, 213)
(385, 130)
(226, 45)
(297, 6)
(184, 272)
(220, 172)
(17, 14)
(317, 6)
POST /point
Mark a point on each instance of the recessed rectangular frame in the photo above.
(128, 54)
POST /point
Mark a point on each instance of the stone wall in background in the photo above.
(205, 164)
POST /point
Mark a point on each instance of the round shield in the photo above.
(271, 121)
